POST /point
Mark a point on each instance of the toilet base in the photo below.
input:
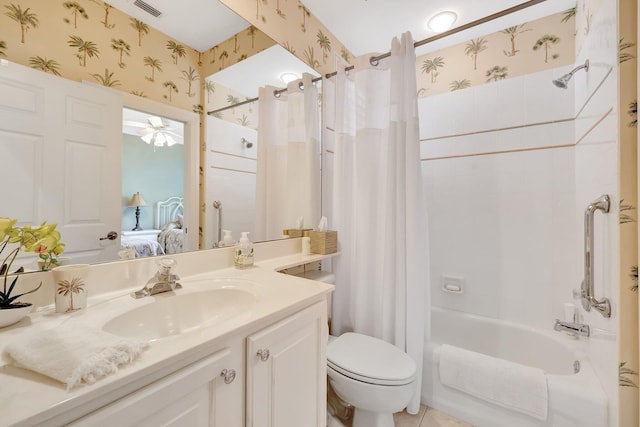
(362, 418)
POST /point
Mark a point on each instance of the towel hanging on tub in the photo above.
(510, 385)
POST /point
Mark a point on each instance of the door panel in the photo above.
(64, 143)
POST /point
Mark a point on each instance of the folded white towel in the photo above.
(73, 356)
(508, 384)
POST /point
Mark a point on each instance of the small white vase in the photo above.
(9, 316)
(70, 290)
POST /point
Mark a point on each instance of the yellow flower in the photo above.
(59, 248)
(6, 225)
(44, 245)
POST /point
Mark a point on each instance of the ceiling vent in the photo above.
(147, 8)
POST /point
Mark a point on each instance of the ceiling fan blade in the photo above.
(156, 122)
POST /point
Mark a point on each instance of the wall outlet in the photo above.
(453, 284)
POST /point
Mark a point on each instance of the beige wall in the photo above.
(505, 54)
(291, 25)
(118, 55)
(628, 179)
(101, 30)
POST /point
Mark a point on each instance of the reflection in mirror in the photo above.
(91, 206)
(152, 185)
(232, 144)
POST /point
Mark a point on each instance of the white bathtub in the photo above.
(575, 400)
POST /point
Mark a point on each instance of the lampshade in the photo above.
(137, 200)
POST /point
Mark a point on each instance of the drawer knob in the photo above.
(264, 355)
(229, 375)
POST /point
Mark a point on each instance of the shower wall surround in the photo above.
(507, 191)
(501, 197)
(230, 178)
(596, 173)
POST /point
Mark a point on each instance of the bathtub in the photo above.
(575, 399)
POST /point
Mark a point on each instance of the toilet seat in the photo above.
(370, 360)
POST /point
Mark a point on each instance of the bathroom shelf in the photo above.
(318, 276)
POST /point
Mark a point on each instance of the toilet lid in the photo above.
(370, 360)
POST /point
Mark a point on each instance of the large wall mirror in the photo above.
(162, 166)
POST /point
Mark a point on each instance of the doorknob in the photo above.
(112, 235)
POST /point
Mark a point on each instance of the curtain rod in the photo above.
(374, 60)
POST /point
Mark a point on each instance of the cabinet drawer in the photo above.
(194, 396)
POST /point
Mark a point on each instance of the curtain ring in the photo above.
(276, 94)
(374, 61)
(301, 86)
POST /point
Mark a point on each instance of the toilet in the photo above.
(374, 376)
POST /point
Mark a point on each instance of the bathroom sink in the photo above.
(172, 314)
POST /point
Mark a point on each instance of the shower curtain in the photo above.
(379, 207)
(288, 159)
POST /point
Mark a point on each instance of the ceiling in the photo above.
(201, 24)
(249, 81)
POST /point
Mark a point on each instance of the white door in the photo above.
(61, 146)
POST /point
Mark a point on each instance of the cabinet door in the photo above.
(286, 372)
(196, 396)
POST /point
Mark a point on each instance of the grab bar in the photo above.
(603, 306)
(217, 204)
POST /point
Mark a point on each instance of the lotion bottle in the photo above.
(244, 252)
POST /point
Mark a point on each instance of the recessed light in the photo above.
(288, 77)
(442, 21)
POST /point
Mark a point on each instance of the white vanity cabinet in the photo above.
(274, 377)
(205, 393)
(286, 371)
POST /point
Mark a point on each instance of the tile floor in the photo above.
(428, 417)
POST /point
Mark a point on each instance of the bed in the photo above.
(169, 220)
(140, 243)
(167, 236)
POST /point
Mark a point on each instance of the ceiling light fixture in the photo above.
(442, 21)
(288, 77)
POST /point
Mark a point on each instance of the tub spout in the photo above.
(576, 328)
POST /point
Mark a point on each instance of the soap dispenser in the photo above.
(227, 240)
(244, 252)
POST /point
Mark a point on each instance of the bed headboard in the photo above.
(168, 211)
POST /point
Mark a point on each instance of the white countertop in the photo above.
(27, 398)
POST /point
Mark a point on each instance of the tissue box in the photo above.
(324, 242)
(295, 232)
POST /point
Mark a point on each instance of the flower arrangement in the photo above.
(43, 240)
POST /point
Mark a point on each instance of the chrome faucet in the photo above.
(576, 328)
(162, 281)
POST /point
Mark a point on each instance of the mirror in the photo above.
(124, 64)
(232, 143)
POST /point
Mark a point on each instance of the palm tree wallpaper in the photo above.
(91, 40)
(518, 50)
(291, 24)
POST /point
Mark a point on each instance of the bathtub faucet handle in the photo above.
(576, 328)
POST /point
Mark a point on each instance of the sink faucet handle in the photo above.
(165, 265)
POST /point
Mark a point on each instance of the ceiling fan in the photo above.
(156, 132)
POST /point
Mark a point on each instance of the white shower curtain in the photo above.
(288, 160)
(379, 207)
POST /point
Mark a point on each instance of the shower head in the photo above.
(246, 144)
(563, 82)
